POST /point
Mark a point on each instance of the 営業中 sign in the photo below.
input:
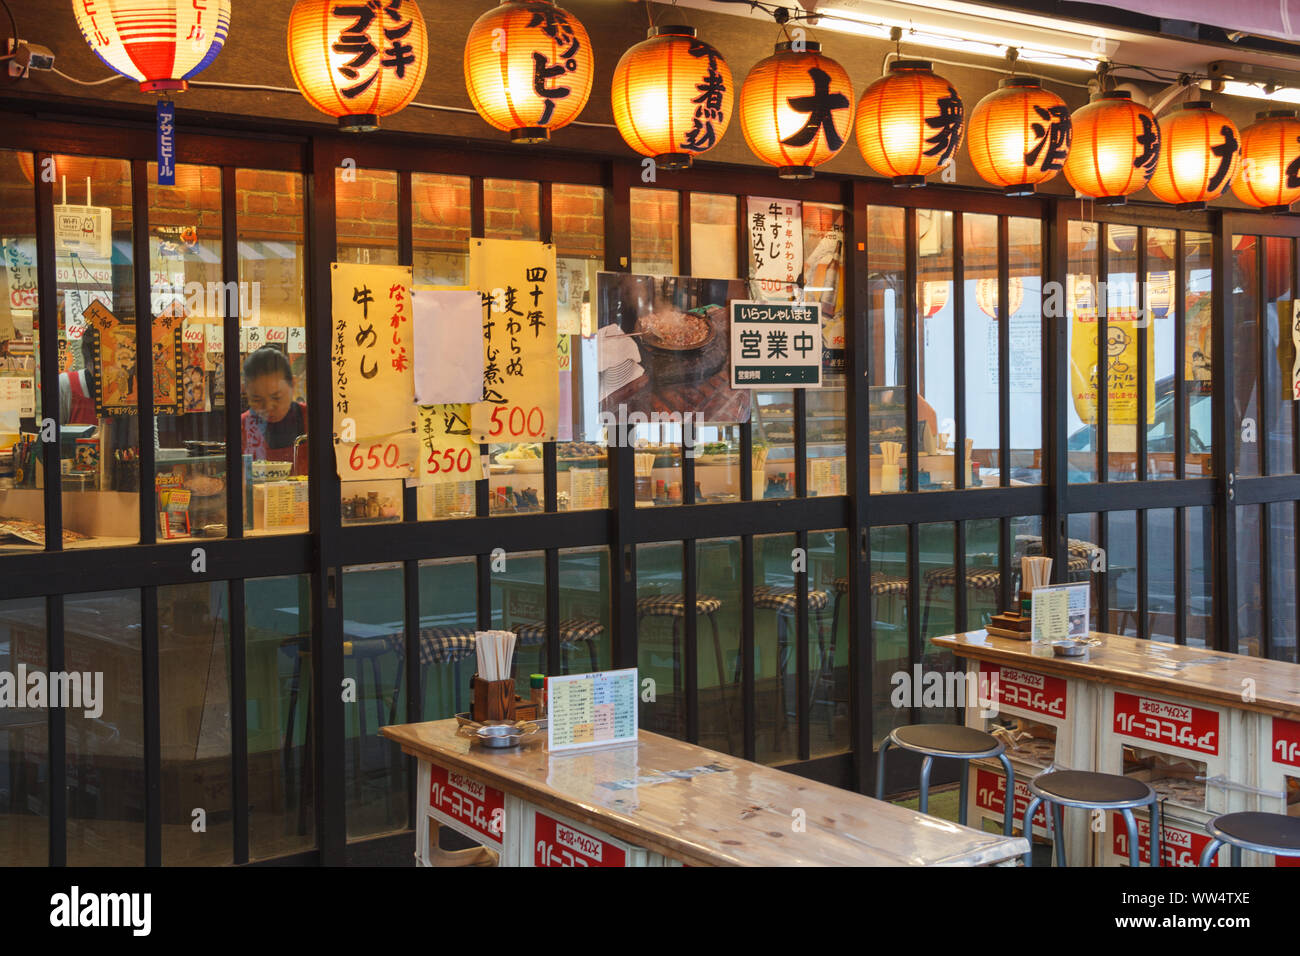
(776, 345)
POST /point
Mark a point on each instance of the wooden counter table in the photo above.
(660, 802)
(1211, 732)
(1212, 677)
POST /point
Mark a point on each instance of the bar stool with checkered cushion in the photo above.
(437, 645)
(882, 586)
(1092, 791)
(674, 606)
(956, 743)
(978, 578)
(573, 631)
(784, 601)
(1276, 834)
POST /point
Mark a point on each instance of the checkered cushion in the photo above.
(438, 645)
(881, 584)
(769, 597)
(979, 579)
(573, 630)
(674, 605)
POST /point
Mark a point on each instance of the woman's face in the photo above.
(269, 396)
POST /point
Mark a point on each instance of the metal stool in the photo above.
(573, 631)
(959, 743)
(784, 601)
(1092, 791)
(1274, 833)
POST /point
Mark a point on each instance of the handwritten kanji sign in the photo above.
(521, 376)
(447, 450)
(775, 230)
(776, 345)
(372, 350)
(115, 359)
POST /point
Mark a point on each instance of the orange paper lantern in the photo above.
(1115, 150)
(1270, 162)
(1199, 154)
(672, 96)
(796, 109)
(909, 123)
(158, 43)
(528, 68)
(1019, 136)
(358, 61)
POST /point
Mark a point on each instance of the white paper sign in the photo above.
(591, 710)
(297, 340)
(448, 346)
(75, 303)
(1059, 611)
(215, 335)
(20, 273)
(775, 231)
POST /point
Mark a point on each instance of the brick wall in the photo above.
(269, 204)
(510, 209)
(654, 230)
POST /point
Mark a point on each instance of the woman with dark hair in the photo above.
(274, 421)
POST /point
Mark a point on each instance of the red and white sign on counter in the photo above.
(1181, 726)
(559, 844)
(465, 802)
(1026, 690)
(991, 791)
(1286, 742)
(1178, 847)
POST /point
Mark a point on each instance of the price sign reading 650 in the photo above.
(392, 457)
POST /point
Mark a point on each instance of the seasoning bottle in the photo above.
(537, 692)
(372, 505)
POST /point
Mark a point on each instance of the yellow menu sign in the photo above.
(447, 450)
(521, 375)
(373, 350)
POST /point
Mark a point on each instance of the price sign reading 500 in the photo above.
(515, 422)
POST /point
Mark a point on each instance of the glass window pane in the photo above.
(1278, 398)
(773, 444)
(1123, 336)
(25, 759)
(1085, 536)
(889, 428)
(185, 278)
(1245, 344)
(718, 643)
(1162, 574)
(1198, 354)
(194, 693)
(1025, 374)
(982, 328)
(20, 361)
(938, 607)
(713, 236)
(519, 604)
(1121, 572)
(890, 608)
(776, 681)
(828, 644)
(983, 556)
(1249, 591)
(281, 791)
(511, 210)
(374, 643)
(578, 227)
(271, 231)
(105, 781)
(448, 620)
(660, 610)
(101, 432)
(585, 638)
(1162, 311)
(937, 403)
(440, 227)
(1081, 307)
(1281, 581)
(655, 215)
(1198, 619)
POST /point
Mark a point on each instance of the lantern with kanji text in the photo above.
(909, 123)
(1199, 154)
(1019, 135)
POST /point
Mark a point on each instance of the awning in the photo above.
(1274, 18)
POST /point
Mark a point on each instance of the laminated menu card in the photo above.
(591, 710)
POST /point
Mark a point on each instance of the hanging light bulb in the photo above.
(528, 68)
(1270, 162)
(1019, 136)
(1116, 146)
(357, 62)
(910, 123)
(1199, 154)
(672, 96)
(796, 109)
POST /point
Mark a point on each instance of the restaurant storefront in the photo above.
(256, 619)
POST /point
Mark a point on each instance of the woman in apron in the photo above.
(274, 421)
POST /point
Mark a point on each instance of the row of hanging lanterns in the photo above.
(529, 69)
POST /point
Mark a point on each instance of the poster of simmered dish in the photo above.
(664, 345)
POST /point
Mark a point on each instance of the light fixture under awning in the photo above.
(1273, 18)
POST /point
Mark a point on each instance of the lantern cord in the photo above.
(107, 79)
